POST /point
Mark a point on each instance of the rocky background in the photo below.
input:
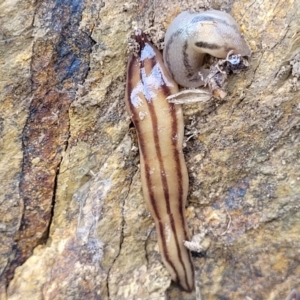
(73, 223)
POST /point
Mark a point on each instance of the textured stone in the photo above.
(73, 221)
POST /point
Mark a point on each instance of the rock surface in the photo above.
(73, 223)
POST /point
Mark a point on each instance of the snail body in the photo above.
(193, 35)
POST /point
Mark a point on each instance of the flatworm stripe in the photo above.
(165, 185)
(175, 130)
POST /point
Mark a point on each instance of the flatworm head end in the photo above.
(137, 42)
